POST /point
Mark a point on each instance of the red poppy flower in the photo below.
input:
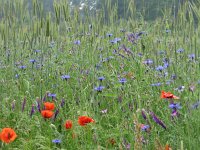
(168, 95)
(84, 120)
(8, 135)
(167, 147)
(47, 113)
(68, 124)
(49, 106)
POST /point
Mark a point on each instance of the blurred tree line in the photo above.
(150, 9)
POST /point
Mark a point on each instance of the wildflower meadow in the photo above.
(77, 79)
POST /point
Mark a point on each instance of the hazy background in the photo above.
(148, 8)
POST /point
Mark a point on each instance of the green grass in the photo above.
(23, 31)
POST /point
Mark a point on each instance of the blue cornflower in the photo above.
(107, 59)
(98, 66)
(109, 34)
(168, 82)
(101, 78)
(195, 105)
(167, 31)
(191, 56)
(173, 76)
(161, 52)
(175, 106)
(140, 54)
(116, 40)
(113, 41)
(166, 65)
(122, 80)
(77, 42)
(17, 76)
(22, 67)
(180, 50)
(65, 77)
(32, 61)
(99, 88)
(148, 62)
(122, 30)
(37, 51)
(165, 74)
(166, 62)
(156, 84)
(52, 44)
(180, 88)
(56, 141)
(52, 95)
(140, 33)
(160, 68)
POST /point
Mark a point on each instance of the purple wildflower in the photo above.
(38, 105)
(56, 114)
(192, 88)
(23, 104)
(174, 114)
(144, 115)
(13, 105)
(132, 37)
(45, 97)
(32, 110)
(128, 146)
(157, 120)
(62, 103)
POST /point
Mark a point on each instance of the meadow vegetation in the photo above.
(72, 80)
